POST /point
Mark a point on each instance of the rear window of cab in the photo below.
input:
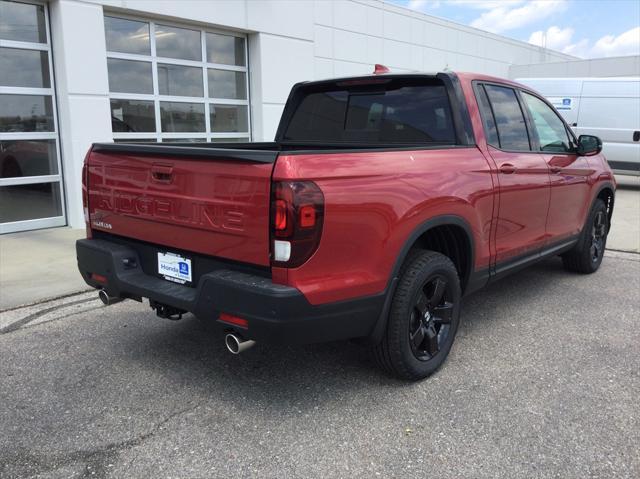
(384, 112)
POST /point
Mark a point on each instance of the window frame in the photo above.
(54, 134)
(534, 140)
(155, 97)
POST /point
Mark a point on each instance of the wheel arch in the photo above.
(606, 193)
(450, 235)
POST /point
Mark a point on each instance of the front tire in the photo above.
(586, 256)
(423, 319)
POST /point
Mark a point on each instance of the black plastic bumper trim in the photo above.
(276, 313)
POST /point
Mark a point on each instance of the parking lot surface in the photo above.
(543, 381)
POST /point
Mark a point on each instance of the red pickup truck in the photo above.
(382, 201)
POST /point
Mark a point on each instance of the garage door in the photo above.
(31, 194)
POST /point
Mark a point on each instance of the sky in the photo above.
(583, 28)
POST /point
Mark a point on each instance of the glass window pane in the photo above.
(231, 140)
(127, 36)
(551, 130)
(228, 118)
(26, 113)
(128, 76)
(22, 22)
(24, 68)
(512, 130)
(180, 81)
(227, 84)
(225, 49)
(29, 202)
(182, 117)
(487, 118)
(135, 140)
(20, 158)
(184, 140)
(417, 112)
(132, 115)
(172, 42)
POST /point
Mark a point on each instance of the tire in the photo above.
(423, 318)
(586, 256)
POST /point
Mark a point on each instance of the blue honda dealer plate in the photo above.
(174, 267)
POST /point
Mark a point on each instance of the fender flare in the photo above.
(444, 220)
(600, 189)
(603, 186)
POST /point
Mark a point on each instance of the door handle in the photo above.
(555, 169)
(636, 136)
(162, 173)
(507, 168)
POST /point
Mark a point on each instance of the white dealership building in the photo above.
(75, 72)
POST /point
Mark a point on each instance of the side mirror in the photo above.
(589, 145)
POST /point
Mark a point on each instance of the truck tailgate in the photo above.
(214, 202)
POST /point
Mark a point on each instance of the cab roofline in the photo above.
(372, 76)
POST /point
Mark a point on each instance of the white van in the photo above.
(605, 107)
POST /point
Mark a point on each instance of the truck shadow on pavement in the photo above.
(195, 354)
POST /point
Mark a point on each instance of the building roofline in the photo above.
(401, 9)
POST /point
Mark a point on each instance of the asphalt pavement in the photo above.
(542, 382)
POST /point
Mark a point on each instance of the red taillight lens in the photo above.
(85, 193)
(280, 215)
(297, 211)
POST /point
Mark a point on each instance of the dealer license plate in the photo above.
(174, 267)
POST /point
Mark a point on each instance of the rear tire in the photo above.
(586, 256)
(423, 319)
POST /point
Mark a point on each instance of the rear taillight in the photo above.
(85, 193)
(297, 211)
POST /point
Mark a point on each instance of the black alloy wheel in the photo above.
(430, 321)
(423, 317)
(598, 235)
(587, 254)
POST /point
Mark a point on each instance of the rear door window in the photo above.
(512, 129)
(392, 113)
(486, 114)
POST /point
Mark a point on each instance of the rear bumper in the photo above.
(275, 313)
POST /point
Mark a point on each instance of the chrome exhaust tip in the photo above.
(108, 300)
(236, 345)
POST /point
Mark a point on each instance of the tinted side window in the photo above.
(486, 114)
(385, 114)
(512, 129)
(550, 128)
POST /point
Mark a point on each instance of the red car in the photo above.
(383, 200)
